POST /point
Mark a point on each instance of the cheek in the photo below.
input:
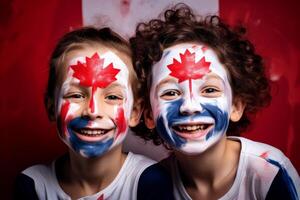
(63, 117)
(120, 121)
(158, 106)
(128, 104)
(158, 109)
(67, 113)
(223, 103)
(170, 112)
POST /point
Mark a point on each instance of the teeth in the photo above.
(202, 127)
(192, 127)
(92, 132)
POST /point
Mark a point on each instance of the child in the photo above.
(204, 80)
(91, 92)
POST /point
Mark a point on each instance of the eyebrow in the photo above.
(166, 80)
(213, 76)
(111, 86)
(114, 85)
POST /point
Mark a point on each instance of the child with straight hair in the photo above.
(93, 96)
(204, 81)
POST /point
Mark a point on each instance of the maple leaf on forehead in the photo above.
(92, 73)
(187, 69)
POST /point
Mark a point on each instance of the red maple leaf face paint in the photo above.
(190, 97)
(188, 69)
(93, 74)
(94, 103)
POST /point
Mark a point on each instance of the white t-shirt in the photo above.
(259, 164)
(124, 186)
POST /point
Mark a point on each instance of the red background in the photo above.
(30, 29)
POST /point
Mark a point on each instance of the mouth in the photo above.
(192, 131)
(93, 134)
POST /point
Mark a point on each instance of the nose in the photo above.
(94, 108)
(190, 107)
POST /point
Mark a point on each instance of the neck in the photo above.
(90, 175)
(214, 168)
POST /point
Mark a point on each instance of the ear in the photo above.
(237, 110)
(148, 118)
(49, 104)
(136, 112)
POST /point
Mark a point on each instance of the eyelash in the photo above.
(170, 95)
(74, 96)
(113, 97)
(210, 90)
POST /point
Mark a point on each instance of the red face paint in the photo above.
(187, 69)
(63, 116)
(94, 74)
(120, 121)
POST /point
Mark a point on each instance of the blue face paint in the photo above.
(221, 119)
(89, 149)
(174, 116)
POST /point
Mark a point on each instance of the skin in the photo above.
(93, 161)
(192, 116)
(91, 117)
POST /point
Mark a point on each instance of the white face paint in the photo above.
(190, 97)
(94, 102)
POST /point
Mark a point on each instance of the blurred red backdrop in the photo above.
(30, 29)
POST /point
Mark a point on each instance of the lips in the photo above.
(93, 134)
(192, 131)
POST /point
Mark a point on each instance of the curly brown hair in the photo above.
(179, 25)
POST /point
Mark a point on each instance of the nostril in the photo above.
(189, 108)
(190, 112)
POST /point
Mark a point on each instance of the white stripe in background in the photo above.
(123, 15)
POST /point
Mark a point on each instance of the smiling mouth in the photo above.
(191, 128)
(192, 131)
(92, 132)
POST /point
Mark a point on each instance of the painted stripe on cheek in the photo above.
(120, 121)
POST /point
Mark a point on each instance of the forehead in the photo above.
(80, 54)
(120, 59)
(175, 54)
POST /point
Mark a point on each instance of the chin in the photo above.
(198, 147)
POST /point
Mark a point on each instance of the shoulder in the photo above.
(24, 185)
(140, 160)
(133, 167)
(135, 164)
(39, 173)
(155, 183)
(24, 188)
(267, 167)
(282, 187)
(262, 153)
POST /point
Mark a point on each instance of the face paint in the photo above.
(190, 98)
(94, 103)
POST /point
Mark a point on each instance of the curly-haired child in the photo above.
(204, 81)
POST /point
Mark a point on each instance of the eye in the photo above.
(170, 94)
(114, 99)
(211, 92)
(74, 96)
